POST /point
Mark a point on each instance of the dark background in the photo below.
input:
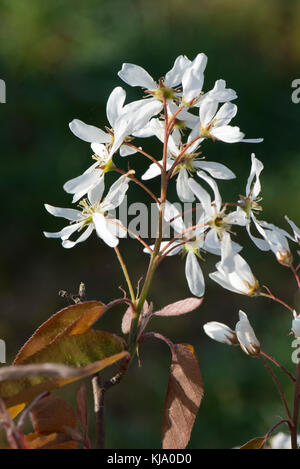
(59, 61)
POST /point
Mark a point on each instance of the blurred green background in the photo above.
(59, 61)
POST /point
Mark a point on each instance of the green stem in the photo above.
(155, 254)
(126, 275)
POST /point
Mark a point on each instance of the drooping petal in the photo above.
(184, 192)
(134, 75)
(194, 275)
(202, 195)
(65, 232)
(214, 186)
(102, 230)
(172, 213)
(68, 213)
(69, 244)
(88, 133)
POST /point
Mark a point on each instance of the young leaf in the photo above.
(180, 307)
(255, 443)
(75, 319)
(183, 398)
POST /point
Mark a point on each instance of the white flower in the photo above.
(193, 242)
(92, 177)
(246, 336)
(214, 123)
(296, 325)
(96, 212)
(273, 238)
(276, 239)
(220, 332)
(215, 218)
(233, 272)
(124, 120)
(134, 75)
(189, 163)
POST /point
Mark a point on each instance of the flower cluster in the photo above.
(179, 113)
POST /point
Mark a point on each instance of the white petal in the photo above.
(194, 275)
(227, 134)
(82, 182)
(69, 244)
(256, 169)
(126, 150)
(214, 186)
(216, 170)
(134, 75)
(208, 110)
(88, 133)
(170, 212)
(95, 193)
(100, 150)
(202, 195)
(153, 171)
(102, 230)
(174, 76)
(65, 232)
(68, 213)
(116, 193)
(115, 104)
(184, 192)
(225, 114)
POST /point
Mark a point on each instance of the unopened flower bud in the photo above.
(284, 257)
(246, 336)
(220, 332)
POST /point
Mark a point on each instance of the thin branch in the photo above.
(277, 384)
(274, 298)
(150, 157)
(279, 366)
(137, 181)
